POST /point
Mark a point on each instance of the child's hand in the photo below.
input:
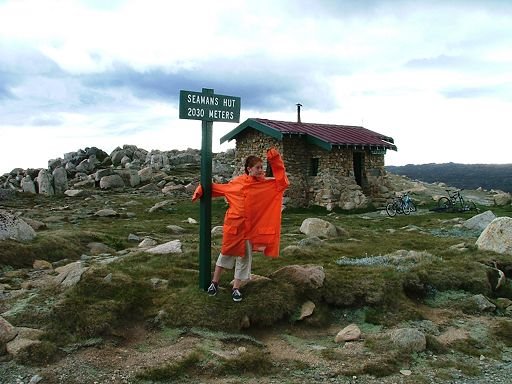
(272, 152)
(198, 193)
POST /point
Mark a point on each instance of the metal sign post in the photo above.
(208, 107)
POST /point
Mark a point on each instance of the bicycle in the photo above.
(400, 204)
(455, 201)
(408, 203)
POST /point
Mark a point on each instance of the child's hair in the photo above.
(251, 161)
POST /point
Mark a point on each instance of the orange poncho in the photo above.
(254, 211)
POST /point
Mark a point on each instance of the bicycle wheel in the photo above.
(390, 209)
(444, 203)
(412, 206)
(406, 209)
(471, 206)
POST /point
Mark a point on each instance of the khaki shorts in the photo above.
(242, 264)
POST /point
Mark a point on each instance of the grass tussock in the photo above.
(49, 246)
(190, 365)
(502, 331)
(356, 286)
(96, 306)
(31, 309)
(455, 274)
(201, 362)
(435, 346)
(220, 313)
(386, 360)
(255, 362)
(445, 366)
(39, 354)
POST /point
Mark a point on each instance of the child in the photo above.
(253, 220)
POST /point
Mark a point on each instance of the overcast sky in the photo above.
(434, 75)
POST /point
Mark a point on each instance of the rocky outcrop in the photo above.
(129, 166)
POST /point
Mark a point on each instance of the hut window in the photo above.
(313, 169)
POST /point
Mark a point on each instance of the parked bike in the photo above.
(401, 204)
(407, 201)
(455, 202)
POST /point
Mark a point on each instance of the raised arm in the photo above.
(278, 170)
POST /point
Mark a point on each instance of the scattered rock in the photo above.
(502, 198)
(13, 227)
(497, 236)
(42, 264)
(99, 248)
(349, 333)
(107, 212)
(480, 221)
(160, 206)
(482, 304)
(70, 274)
(173, 246)
(314, 227)
(7, 332)
(147, 242)
(111, 181)
(306, 309)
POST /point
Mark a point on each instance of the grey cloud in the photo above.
(6, 82)
(502, 91)
(334, 8)
(260, 85)
(371, 8)
(46, 121)
(19, 64)
(458, 63)
(5, 93)
(442, 61)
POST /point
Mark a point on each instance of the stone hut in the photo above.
(334, 166)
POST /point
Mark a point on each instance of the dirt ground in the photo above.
(139, 348)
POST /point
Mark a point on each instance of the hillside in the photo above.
(465, 176)
(100, 285)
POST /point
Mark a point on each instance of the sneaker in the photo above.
(237, 296)
(212, 289)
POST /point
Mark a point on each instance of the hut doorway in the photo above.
(359, 167)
